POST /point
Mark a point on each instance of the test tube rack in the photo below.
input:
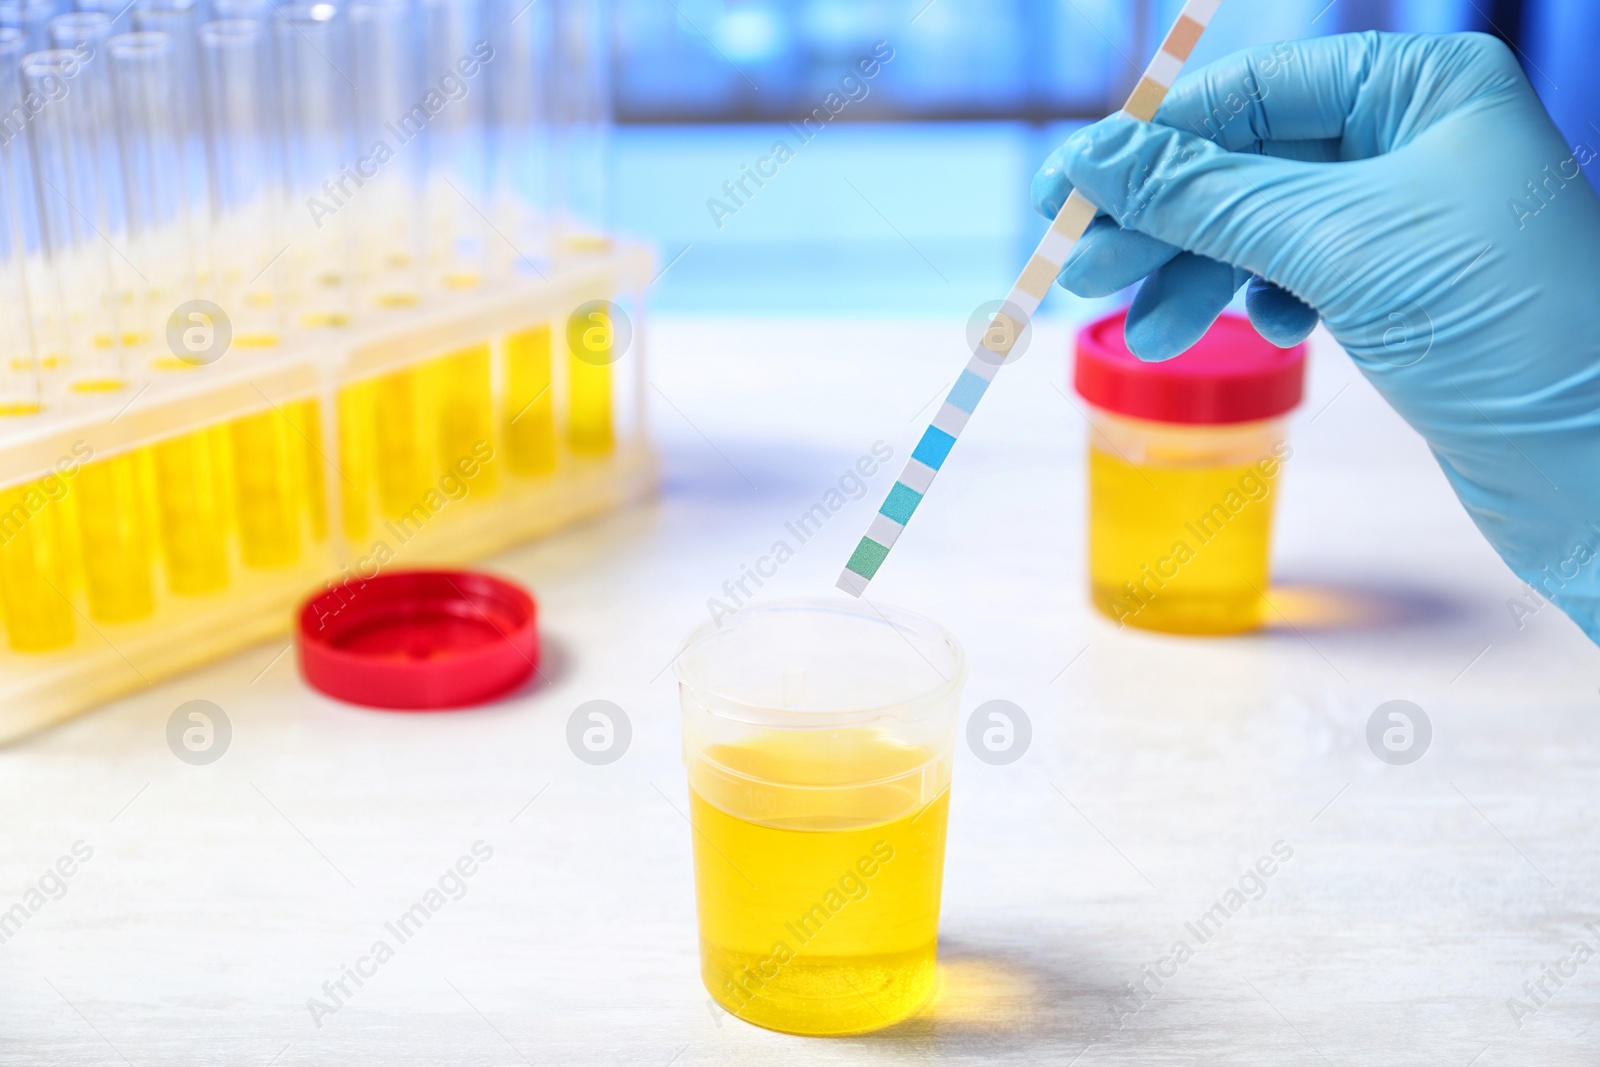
(132, 528)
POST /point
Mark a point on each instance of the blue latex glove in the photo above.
(1412, 192)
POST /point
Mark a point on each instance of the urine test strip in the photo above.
(1070, 224)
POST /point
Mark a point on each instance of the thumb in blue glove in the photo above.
(1412, 192)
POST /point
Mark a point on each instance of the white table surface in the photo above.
(1418, 899)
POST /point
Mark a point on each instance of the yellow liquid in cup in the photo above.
(819, 907)
(1183, 549)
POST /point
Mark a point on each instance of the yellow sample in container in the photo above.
(33, 571)
(191, 510)
(529, 413)
(113, 541)
(464, 417)
(818, 737)
(402, 456)
(265, 482)
(305, 446)
(819, 914)
(591, 349)
(1184, 458)
(357, 430)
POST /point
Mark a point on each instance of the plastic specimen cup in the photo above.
(819, 739)
(1184, 461)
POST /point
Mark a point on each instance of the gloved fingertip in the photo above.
(1278, 315)
(1153, 339)
(1096, 143)
(1077, 274)
(1084, 276)
(1177, 304)
(1049, 189)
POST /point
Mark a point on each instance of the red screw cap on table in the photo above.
(419, 640)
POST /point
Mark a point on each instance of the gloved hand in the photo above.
(1412, 191)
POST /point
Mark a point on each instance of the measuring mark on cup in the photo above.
(999, 732)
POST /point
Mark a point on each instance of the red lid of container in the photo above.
(1231, 375)
(418, 640)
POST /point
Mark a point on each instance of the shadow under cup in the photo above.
(819, 738)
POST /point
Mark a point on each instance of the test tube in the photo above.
(247, 253)
(528, 414)
(33, 571)
(66, 146)
(518, 82)
(385, 439)
(581, 124)
(313, 89)
(179, 20)
(113, 543)
(456, 50)
(244, 185)
(580, 89)
(190, 513)
(456, 186)
(260, 10)
(119, 10)
(86, 33)
(112, 539)
(591, 349)
(149, 142)
(464, 414)
(19, 369)
(31, 18)
(402, 454)
(387, 213)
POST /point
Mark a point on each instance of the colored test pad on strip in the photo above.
(1008, 323)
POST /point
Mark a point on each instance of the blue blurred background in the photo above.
(913, 201)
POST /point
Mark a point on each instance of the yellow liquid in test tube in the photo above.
(356, 438)
(1162, 556)
(305, 445)
(265, 483)
(33, 571)
(191, 511)
(819, 913)
(113, 540)
(402, 460)
(530, 411)
(464, 416)
(589, 346)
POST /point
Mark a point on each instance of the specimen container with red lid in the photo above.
(1184, 461)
